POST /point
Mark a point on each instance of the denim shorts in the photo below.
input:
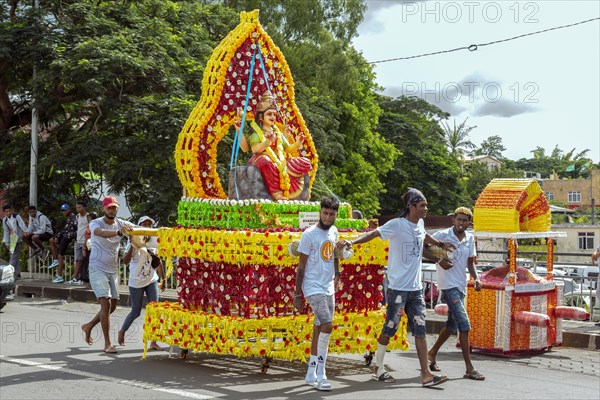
(399, 302)
(104, 284)
(322, 306)
(458, 319)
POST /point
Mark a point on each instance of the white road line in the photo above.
(52, 367)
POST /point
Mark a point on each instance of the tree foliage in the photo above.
(116, 81)
(411, 125)
(457, 137)
(492, 146)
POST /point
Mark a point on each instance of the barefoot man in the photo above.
(104, 268)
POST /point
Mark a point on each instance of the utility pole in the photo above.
(34, 139)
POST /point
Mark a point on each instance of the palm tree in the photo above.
(457, 137)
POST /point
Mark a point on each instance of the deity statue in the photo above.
(273, 154)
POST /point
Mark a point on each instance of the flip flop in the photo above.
(437, 379)
(385, 377)
(475, 375)
(110, 350)
(433, 367)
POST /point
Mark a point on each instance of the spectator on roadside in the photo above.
(406, 235)
(104, 268)
(13, 228)
(143, 278)
(60, 243)
(85, 271)
(80, 248)
(39, 229)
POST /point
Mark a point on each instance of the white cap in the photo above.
(145, 218)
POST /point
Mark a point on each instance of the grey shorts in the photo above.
(322, 306)
(104, 284)
(78, 251)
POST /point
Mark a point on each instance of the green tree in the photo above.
(411, 125)
(567, 165)
(492, 146)
(117, 80)
(457, 137)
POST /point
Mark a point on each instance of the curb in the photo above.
(571, 338)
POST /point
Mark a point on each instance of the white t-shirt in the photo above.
(405, 254)
(105, 251)
(82, 224)
(140, 274)
(318, 245)
(455, 277)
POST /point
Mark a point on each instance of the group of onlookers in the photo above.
(39, 229)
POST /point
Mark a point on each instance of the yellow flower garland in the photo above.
(253, 247)
(284, 338)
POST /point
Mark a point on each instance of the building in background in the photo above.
(574, 192)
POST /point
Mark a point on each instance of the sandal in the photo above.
(475, 375)
(110, 350)
(437, 379)
(385, 377)
(433, 367)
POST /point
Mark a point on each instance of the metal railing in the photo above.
(38, 269)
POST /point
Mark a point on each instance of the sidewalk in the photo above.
(578, 334)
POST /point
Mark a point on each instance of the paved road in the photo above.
(43, 356)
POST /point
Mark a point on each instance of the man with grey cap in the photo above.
(143, 277)
(406, 235)
(106, 234)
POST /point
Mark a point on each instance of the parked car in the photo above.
(7, 282)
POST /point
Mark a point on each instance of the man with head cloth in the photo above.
(406, 235)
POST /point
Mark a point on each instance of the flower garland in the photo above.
(266, 290)
(284, 338)
(255, 214)
(223, 91)
(255, 247)
(512, 205)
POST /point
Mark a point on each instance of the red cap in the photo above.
(110, 201)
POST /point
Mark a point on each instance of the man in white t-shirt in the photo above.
(317, 277)
(453, 283)
(104, 268)
(13, 227)
(406, 235)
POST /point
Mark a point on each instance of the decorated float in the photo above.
(235, 272)
(516, 310)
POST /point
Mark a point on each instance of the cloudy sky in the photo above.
(540, 90)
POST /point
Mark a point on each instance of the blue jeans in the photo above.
(399, 302)
(458, 319)
(137, 299)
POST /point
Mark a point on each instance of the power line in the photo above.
(474, 47)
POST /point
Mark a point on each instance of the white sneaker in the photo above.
(75, 282)
(323, 385)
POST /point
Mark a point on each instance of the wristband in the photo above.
(338, 273)
(440, 244)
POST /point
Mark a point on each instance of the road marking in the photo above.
(52, 367)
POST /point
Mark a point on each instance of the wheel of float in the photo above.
(183, 354)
